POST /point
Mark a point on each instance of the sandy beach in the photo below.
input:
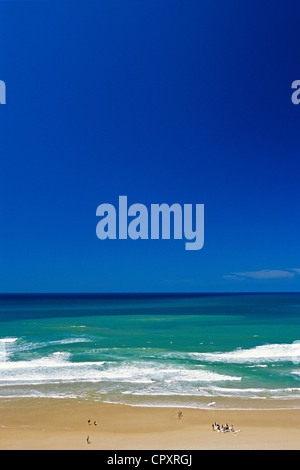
(56, 424)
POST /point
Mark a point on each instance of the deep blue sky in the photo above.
(185, 101)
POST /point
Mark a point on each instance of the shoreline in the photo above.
(62, 424)
(222, 404)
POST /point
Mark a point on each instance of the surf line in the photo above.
(115, 226)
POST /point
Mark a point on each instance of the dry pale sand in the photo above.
(63, 425)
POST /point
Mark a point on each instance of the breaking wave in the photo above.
(264, 353)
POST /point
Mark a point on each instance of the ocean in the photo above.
(237, 350)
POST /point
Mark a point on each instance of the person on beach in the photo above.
(216, 426)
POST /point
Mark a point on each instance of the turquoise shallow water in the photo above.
(236, 350)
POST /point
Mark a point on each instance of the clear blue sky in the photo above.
(185, 101)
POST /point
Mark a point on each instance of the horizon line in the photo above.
(147, 293)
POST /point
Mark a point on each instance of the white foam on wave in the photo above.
(56, 367)
(254, 392)
(8, 340)
(199, 376)
(156, 373)
(59, 367)
(29, 346)
(5, 347)
(69, 341)
(265, 353)
(217, 392)
(257, 365)
(296, 372)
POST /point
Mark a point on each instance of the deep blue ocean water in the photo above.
(238, 350)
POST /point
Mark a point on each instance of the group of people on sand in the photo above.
(226, 428)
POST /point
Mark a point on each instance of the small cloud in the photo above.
(264, 274)
(297, 270)
(234, 277)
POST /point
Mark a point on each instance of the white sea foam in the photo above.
(59, 367)
(216, 391)
(139, 375)
(199, 376)
(5, 346)
(254, 392)
(69, 341)
(56, 367)
(257, 365)
(296, 372)
(8, 340)
(265, 353)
